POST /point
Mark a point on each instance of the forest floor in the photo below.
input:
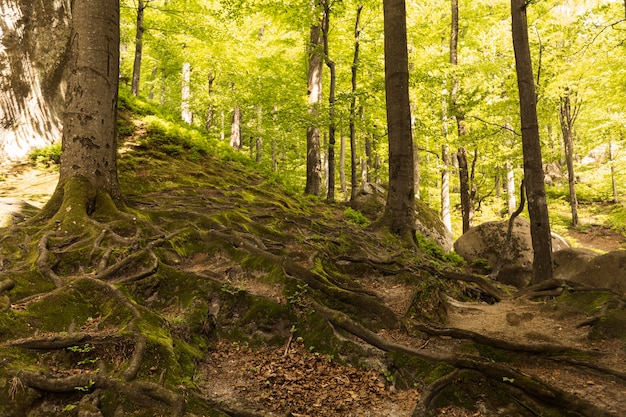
(296, 380)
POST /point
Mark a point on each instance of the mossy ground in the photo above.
(221, 255)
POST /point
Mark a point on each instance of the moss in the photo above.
(585, 302)
(410, 371)
(611, 325)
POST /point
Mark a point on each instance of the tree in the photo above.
(313, 155)
(353, 109)
(531, 145)
(331, 101)
(88, 173)
(399, 215)
(141, 7)
(568, 112)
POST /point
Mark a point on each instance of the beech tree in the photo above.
(88, 172)
(399, 215)
(531, 145)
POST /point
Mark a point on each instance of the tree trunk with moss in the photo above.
(399, 216)
(89, 147)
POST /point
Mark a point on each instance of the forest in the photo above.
(312, 208)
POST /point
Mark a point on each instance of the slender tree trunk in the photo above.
(259, 137)
(210, 114)
(355, 67)
(331, 103)
(445, 188)
(89, 145)
(399, 216)
(342, 166)
(567, 117)
(313, 154)
(531, 144)
(141, 7)
(416, 171)
(235, 129)
(466, 201)
(186, 114)
(510, 188)
(613, 180)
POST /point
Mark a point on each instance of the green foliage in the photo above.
(356, 217)
(48, 156)
(617, 218)
(431, 248)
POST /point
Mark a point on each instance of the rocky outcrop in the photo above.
(605, 271)
(570, 261)
(485, 243)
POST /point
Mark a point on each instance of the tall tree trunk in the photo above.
(313, 146)
(466, 200)
(210, 114)
(399, 215)
(186, 114)
(613, 180)
(89, 145)
(531, 145)
(342, 165)
(141, 7)
(235, 129)
(355, 67)
(331, 103)
(567, 117)
(445, 188)
(510, 188)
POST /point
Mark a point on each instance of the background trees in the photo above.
(253, 56)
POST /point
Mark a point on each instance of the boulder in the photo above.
(371, 199)
(570, 261)
(485, 243)
(605, 271)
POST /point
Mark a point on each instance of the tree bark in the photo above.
(89, 146)
(445, 188)
(466, 200)
(531, 145)
(355, 67)
(235, 129)
(313, 155)
(399, 215)
(331, 103)
(510, 188)
(567, 117)
(186, 114)
(141, 7)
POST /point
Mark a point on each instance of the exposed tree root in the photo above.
(346, 295)
(140, 392)
(497, 343)
(430, 392)
(227, 409)
(495, 371)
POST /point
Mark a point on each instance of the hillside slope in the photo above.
(221, 294)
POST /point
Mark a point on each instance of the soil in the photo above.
(298, 381)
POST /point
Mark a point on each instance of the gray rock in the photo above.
(486, 242)
(570, 261)
(605, 271)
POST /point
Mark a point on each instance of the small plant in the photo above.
(387, 374)
(69, 407)
(356, 217)
(86, 348)
(87, 387)
(297, 297)
(48, 156)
